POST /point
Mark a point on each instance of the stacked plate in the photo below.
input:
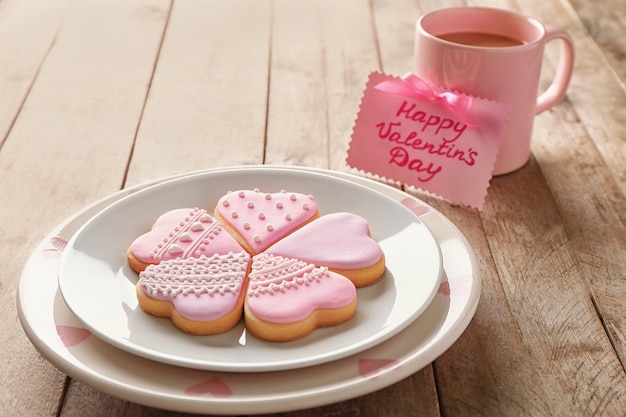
(78, 306)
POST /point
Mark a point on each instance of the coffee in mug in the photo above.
(487, 40)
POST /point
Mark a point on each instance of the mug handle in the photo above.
(556, 91)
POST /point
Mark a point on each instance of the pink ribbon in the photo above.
(410, 85)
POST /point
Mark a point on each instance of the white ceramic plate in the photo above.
(99, 287)
(63, 340)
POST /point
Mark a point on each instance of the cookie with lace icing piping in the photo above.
(287, 298)
(201, 296)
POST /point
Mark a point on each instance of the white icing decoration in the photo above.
(234, 214)
(261, 216)
(279, 205)
(269, 227)
(272, 273)
(174, 249)
(196, 227)
(250, 204)
(185, 237)
(219, 274)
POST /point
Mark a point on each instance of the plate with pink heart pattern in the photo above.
(99, 287)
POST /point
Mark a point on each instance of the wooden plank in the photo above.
(83, 401)
(605, 22)
(27, 31)
(412, 396)
(350, 53)
(208, 100)
(595, 83)
(297, 124)
(584, 182)
(69, 146)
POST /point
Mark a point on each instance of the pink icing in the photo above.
(338, 240)
(263, 218)
(201, 289)
(283, 290)
(183, 233)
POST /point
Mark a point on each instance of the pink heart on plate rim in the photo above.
(58, 245)
(457, 286)
(417, 208)
(72, 335)
(213, 386)
(371, 368)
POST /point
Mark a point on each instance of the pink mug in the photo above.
(497, 55)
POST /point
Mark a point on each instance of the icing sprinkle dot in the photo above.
(262, 216)
(226, 203)
(269, 227)
(279, 205)
(242, 194)
(292, 197)
(234, 214)
(246, 226)
(257, 238)
(250, 204)
(268, 196)
(288, 217)
(305, 206)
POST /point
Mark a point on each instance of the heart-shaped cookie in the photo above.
(288, 298)
(340, 241)
(257, 219)
(200, 295)
(181, 233)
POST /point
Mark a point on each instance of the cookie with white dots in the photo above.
(258, 220)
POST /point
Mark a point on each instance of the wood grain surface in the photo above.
(98, 95)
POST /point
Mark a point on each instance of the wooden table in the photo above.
(99, 95)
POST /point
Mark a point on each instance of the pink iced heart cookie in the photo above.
(340, 241)
(201, 295)
(257, 219)
(288, 298)
(180, 233)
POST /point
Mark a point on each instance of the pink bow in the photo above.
(410, 85)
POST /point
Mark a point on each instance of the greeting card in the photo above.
(440, 141)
